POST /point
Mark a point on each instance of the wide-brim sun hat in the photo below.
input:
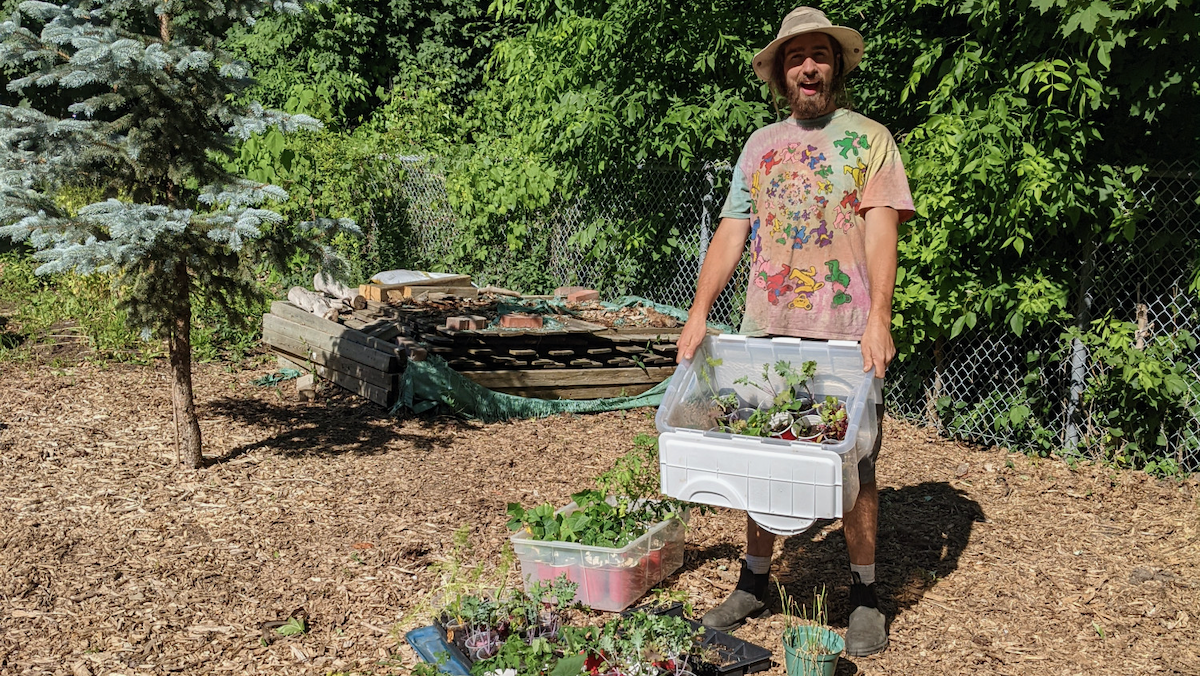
(809, 20)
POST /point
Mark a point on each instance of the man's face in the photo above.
(808, 69)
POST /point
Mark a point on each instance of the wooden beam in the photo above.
(383, 396)
(308, 337)
(379, 292)
(306, 353)
(572, 378)
(418, 291)
(594, 392)
(295, 315)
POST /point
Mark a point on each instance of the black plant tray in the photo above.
(736, 656)
(457, 649)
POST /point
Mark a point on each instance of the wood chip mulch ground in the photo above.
(114, 562)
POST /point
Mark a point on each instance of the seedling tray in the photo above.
(431, 645)
(736, 656)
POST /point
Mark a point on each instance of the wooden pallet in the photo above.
(366, 351)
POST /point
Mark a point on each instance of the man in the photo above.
(819, 197)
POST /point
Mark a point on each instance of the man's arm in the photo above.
(724, 253)
(877, 347)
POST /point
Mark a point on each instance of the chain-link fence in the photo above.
(1029, 391)
(568, 243)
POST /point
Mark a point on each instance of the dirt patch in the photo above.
(112, 561)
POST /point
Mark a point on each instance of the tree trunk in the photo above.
(187, 426)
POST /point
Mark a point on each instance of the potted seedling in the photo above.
(481, 626)
(482, 643)
(726, 403)
(639, 644)
(779, 412)
(833, 420)
(810, 647)
(808, 428)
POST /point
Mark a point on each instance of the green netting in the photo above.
(429, 384)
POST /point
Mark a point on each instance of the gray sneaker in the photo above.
(867, 631)
(734, 611)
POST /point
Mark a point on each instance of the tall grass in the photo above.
(71, 317)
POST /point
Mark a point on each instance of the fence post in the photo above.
(705, 210)
(1079, 353)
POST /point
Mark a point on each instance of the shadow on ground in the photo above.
(923, 530)
(337, 425)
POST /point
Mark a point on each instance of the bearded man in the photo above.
(818, 198)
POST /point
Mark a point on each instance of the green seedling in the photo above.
(295, 626)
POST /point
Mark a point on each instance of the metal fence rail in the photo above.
(969, 387)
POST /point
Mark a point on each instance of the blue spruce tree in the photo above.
(136, 101)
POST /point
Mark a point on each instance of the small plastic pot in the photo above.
(594, 587)
(653, 565)
(810, 650)
(548, 573)
(742, 414)
(482, 644)
(807, 428)
(626, 584)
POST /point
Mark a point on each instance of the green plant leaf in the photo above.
(294, 627)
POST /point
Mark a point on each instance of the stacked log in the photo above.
(351, 359)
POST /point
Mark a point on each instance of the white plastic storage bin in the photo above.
(609, 579)
(784, 485)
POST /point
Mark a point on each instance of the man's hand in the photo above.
(877, 347)
(689, 339)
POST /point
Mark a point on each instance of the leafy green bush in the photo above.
(39, 311)
(1141, 394)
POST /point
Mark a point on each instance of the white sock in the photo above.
(865, 574)
(759, 565)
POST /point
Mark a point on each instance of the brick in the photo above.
(306, 387)
(461, 323)
(564, 291)
(521, 320)
(412, 348)
(583, 295)
(478, 323)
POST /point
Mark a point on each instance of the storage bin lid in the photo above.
(781, 525)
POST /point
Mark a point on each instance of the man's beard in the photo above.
(808, 107)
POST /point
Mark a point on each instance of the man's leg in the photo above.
(861, 525)
(867, 630)
(749, 597)
(759, 542)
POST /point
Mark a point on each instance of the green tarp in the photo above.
(431, 383)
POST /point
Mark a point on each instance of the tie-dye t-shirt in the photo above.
(805, 185)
